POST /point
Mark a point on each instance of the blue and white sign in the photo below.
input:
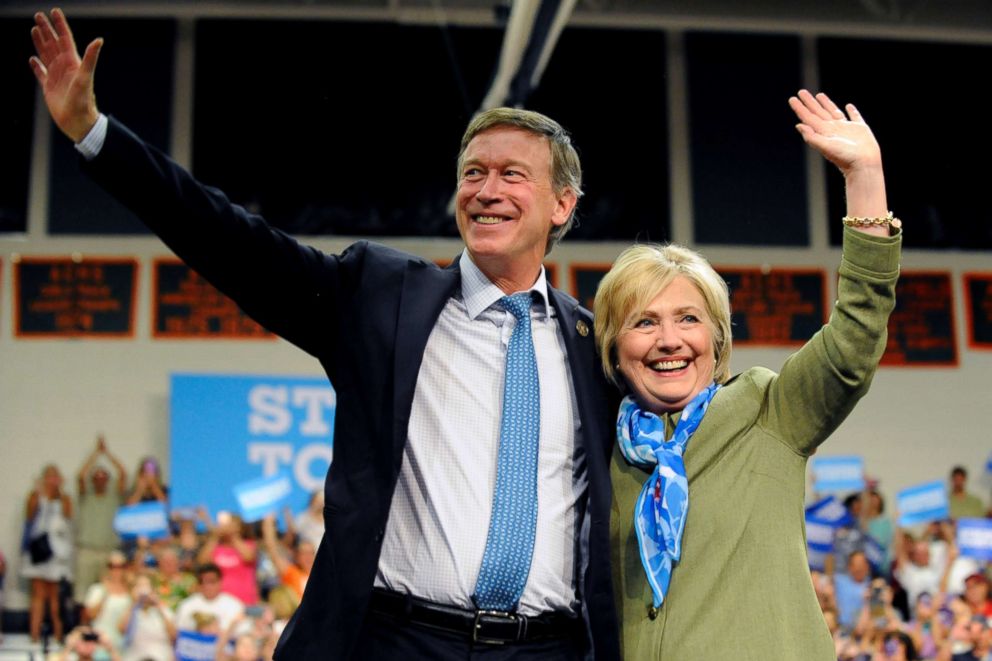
(875, 553)
(922, 504)
(192, 646)
(975, 538)
(142, 520)
(829, 511)
(266, 495)
(820, 532)
(988, 464)
(227, 430)
(838, 474)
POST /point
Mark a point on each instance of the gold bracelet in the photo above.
(887, 220)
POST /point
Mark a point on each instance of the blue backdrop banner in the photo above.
(228, 430)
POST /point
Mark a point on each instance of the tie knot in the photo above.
(518, 305)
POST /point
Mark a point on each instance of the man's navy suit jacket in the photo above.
(366, 315)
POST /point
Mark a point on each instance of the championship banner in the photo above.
(192, 646)
(228, 430)
(975, 538)
(266, 495)
(922, 504)
(142, 520)
(829, 511)
(838, 474)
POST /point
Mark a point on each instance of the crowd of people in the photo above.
(240, 583)
(234, 584)
(919, 598)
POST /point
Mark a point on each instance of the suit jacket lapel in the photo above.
(426, 290)
(585, 372)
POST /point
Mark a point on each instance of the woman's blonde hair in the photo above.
(638, 275)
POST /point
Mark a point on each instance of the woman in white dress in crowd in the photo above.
(47, 517)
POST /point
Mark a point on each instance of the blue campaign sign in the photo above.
(988, 464)
(266, 495)
(142, 520)
(838, 473)
(230, 429)
(192, 646)
(922, 504)
(819, 535)
(829, 511)
(975, 538)
(875, 553)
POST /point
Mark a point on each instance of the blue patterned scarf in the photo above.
(660, 512)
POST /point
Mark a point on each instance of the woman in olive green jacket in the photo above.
(708, 474)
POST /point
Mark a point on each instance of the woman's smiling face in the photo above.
(666, 353)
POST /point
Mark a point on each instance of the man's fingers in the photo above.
(40, 72)
(63, 31)
(42, 47)
(91, 56)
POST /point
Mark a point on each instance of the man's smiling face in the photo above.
(506, 205)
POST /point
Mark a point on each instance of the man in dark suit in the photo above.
(467, 505)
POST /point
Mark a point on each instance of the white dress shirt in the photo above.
(439, 519)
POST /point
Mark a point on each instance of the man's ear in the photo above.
(564, 206)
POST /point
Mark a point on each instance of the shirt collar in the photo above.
(479, 293)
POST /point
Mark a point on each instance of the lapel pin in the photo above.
(582, 327)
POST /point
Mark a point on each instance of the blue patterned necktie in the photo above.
(662, 506)
(510, 543)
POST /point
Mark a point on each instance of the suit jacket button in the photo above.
(652, 613)
(379, 534)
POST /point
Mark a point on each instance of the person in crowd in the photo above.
(170, 582)
(86, 644)
(956, 567)
(107, 602)
(925, 626)
(852, 589)
(962, 503)
(98, 503)
(251, 638)
(879, 526)
(209, 600)
(148, 483)
(188, 540)
(308, 525)
(970, 638)
(227, 547)
(418, 356)
(293, 574)
(849, 536)
(916, 569)
(698, 575)
(976, 594)
(896, 646)
(47, 559)
(148, 627)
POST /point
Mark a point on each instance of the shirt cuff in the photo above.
(91, 145)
